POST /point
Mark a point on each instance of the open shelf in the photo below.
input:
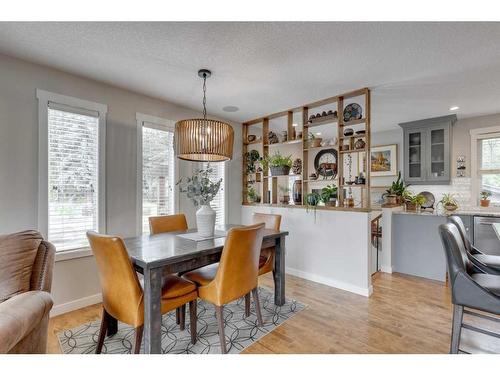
(269, 186)
(353, 151)
(354, 122)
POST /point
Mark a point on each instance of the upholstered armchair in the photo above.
(26, 263)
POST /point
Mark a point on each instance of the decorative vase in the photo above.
(297, 192)
(205, 221)
(450, 207)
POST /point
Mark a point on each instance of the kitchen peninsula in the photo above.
(416, 246)
(324, 202)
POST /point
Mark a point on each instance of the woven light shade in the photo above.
(203, 140)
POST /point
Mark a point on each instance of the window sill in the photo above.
(73, 254)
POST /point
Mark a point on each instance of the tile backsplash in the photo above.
(459, 187)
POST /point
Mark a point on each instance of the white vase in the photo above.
(205, 221)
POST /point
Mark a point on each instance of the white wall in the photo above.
(76, 279)
(333, 249)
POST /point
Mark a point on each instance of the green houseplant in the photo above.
(253, 196)
(449, 202)
(485, 202)
(396, 193)
(278, 164)
(201, 190)
(312, 200)
(251, 158)
(414, 201)
(328, 195)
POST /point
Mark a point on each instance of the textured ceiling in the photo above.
(416, 70)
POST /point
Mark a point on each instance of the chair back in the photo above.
(121, 291)
(457, 221)
(239, 263)
(168, 223)
(271, 221)
(454, 248)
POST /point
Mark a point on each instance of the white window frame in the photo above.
(44, 97)
(161, 124)
(475, 136)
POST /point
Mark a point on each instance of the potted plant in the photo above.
(251, 158)
(312, 200)
(201, 191)
(253, 196)
(285, 198)
(278, 164)
(329, 195)
(314, 141)
(395, 194)
(449, 202)
(413, 202)
(485, 202)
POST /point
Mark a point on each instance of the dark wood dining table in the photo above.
(168, 253)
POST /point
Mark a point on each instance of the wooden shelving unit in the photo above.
(267, 186)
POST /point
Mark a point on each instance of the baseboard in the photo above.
(366, 292)
(386, 269)
(75, 305)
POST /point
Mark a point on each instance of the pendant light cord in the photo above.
(204, 96)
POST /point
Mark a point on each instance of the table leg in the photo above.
(279, 272)
(152, 310)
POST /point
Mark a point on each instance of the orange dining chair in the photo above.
(168, 223)
(122, 293)
(235, 275)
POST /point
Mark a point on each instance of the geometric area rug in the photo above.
(240, 331)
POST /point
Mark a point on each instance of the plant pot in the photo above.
(450, 207)
(485, 202)
(316, 142)
(399, 199)
(331, 203)
(280, 171)
(205, 221)
(285, 199)
(411, 206)
(391, 199)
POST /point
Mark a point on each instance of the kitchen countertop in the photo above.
(472, 211)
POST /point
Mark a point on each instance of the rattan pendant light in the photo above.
(204, 139)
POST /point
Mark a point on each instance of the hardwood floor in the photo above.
(405, 314)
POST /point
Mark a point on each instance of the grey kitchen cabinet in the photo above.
(427, 150)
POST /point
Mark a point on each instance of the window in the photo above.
(219, 202)
(488, 147)
(157, 173)
(71, 175)
(156, 169)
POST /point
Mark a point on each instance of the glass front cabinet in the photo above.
(427, 150)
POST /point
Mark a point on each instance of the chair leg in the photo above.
(138, 339)
(177, 315)
(182, 317)
(458, 314)
(192, 319)
(220, 319)
(247, 305)
(102, 331)
(255, 294)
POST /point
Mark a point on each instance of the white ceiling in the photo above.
(416, 70)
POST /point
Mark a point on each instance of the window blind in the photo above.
(489, 167)
(157, 173)
(72, 176)
(218, 204)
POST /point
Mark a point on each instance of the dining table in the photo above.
(157, 255)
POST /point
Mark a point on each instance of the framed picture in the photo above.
(384, 161)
